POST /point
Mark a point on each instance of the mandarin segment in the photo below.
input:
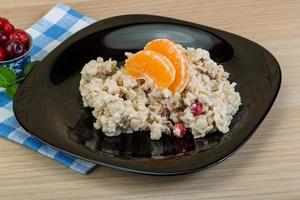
(153, 65)
(177, 57)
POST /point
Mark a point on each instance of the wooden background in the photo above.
(267, 167)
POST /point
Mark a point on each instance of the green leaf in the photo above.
(29, 67)
(11, 90)
(7, 76)
(3, 81)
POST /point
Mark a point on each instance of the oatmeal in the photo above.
(123, 104)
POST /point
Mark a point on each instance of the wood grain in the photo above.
(267, 167)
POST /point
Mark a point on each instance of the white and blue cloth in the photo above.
(52, 29)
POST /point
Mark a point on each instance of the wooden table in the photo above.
(267, 167)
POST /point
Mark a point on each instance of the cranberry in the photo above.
(20, 31)
(21, 36)
(2, 54)
(3, 21)
(14, 48)
(24, 39)
(179, 130)
(3, 38)
(8, 28)
(2, 25)
(14, 36)
(196, 109)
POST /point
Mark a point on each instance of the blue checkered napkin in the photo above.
(57, 25)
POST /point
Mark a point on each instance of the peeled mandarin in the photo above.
(151, 65)
(177, 57)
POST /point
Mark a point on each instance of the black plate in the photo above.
(48, 104)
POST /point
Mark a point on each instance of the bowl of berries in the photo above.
(15, 46)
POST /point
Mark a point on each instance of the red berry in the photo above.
(2, 19)
(2, 22)
(179, 130)
(24, 39)
(2, 54)
(3, 38)
(8, 28)
(14, 36)
(2, 25)
(20, 31)
(21, 36)
(14, 49)
(196, 109)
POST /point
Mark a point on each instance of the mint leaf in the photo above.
(11, 90)
(7, 76)
(3, 81)
(29, 67)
